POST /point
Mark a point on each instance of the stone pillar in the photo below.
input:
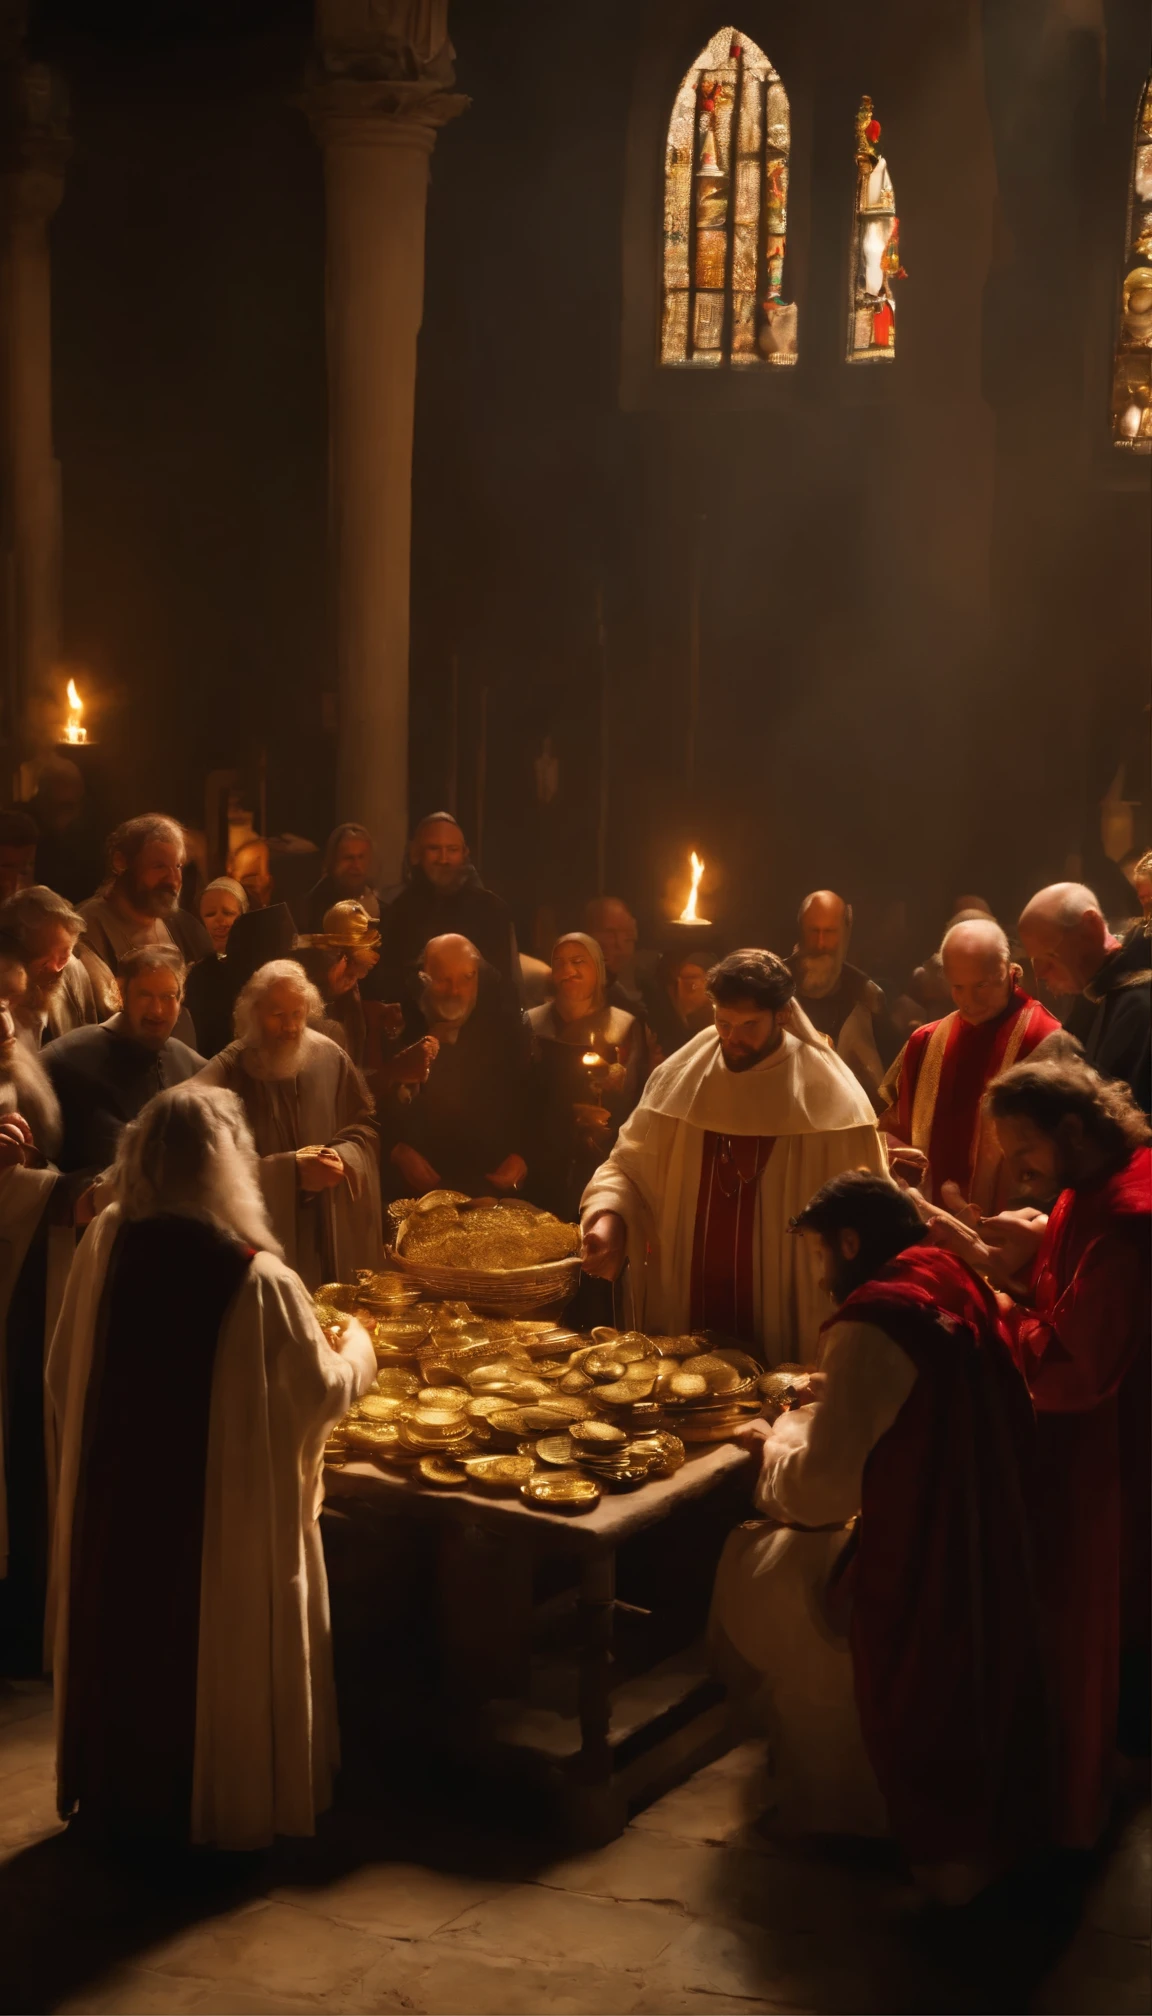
(33, 150)
(376, 105)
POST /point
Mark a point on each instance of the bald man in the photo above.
(1072, 951)
(466, 1127)
(840, 1000)
(932, 1099)
(443, 895)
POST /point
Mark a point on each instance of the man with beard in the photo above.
(732, 1135)
(1072, 951)
(349, 875)
(60, 992)
(139, 904)
(1081, 1323)
(313, 1122)
(30, 1242)
(838, 999)
(882, 1611)
(444, 895)
(104, 1076)
(932, 1099)
(465, 1128)
(192, 1652)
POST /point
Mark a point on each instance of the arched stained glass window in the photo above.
(875, 248)
(1132, 376)
(726, 212)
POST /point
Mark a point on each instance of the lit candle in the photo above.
(74, 729)
(690, 914)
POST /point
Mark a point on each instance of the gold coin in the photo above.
(562, 1491)
(401, 1330)
(622, 1392)
(603, 1365)
(557, 1449)
(576, 1381)
(666, 1451)
(395, 1381)
(377, 1407)
(597, 1433)
(676, 1347)
(688, 1386)
(370, 1434)
(442, 1396)
(505, 1472)
(434, 1470)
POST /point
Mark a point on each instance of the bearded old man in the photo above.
(313, 1122)
(60, 992)
(838, 999)
(140, 902)
(931, 1100)
(731, 1138)
(194, 1689)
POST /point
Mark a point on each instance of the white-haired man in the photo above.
(195, 1699)
(140, 902)
(314, 1124)
(932, 1099)
(838, 999)
(1072, 951)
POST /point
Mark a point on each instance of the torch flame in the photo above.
(690, 914)
(74, 729)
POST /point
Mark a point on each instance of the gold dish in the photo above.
(506, 1473)
(446, 1476)
(564, 1491)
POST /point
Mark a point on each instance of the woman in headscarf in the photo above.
(590, 1063)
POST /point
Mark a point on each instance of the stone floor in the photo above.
(692, 1909)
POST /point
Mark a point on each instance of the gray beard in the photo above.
(273, 1066)
(820, 974)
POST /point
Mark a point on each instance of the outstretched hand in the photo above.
(605, 1246)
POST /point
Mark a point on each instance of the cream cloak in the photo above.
(267, 1740)
(804, 1096)
(327, 1234)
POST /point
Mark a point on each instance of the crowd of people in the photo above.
(935, 1197)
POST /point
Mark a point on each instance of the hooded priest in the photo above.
(732, 1137)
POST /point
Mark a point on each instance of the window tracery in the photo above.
(726, 212)
(1132, 372)
(875, 260)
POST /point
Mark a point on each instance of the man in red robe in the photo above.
(931, 1100)
(1083, 1344)
(901, 1523)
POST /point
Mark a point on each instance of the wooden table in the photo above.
(621, 1737)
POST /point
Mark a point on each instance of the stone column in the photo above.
(377, 132)
(33, 150)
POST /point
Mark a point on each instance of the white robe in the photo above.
(267, 1739)
(804, 1096)
(791, 1664)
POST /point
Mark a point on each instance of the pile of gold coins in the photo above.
(516, 1405)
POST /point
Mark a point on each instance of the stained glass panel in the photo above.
(725, 212)
(875, 259)
(1132, 375)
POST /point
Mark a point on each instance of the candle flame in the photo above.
(74, 729)
(690, 914)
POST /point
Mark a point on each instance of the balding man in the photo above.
(932, 1099)
(444, 895)
(838, 999)
(1073, 952)
(466, 1127)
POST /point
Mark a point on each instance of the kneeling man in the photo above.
(883, 1610)
(731, 1137)
(193, 1389)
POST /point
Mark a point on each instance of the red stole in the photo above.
(723, 1272)
(946, 1070)
(944, 1625)
(1084, 1348)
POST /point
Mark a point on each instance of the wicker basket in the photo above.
(515, 1293)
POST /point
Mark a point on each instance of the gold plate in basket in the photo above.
(505, 1473)
(378, 1407)
(597, 1434)
(559, 1450)
(562, 1491)
(446, 1476)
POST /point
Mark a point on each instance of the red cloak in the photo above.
(944, 1625)
(944, 1071)
(1084, 1349)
